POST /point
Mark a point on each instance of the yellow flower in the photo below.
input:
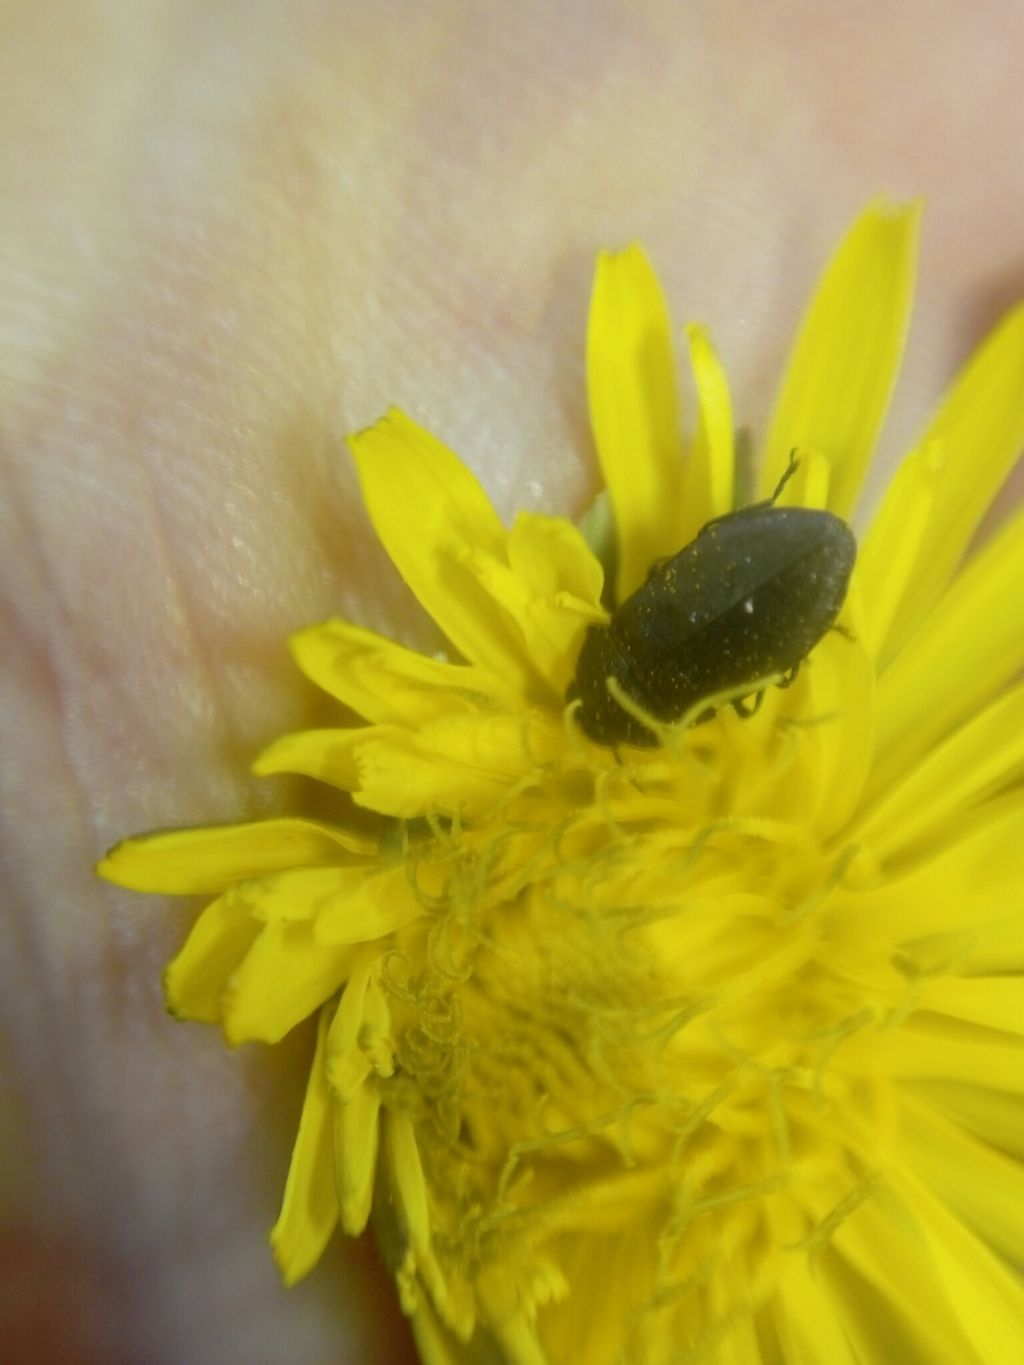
(708, 1051)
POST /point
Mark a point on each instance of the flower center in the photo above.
(642, 1013)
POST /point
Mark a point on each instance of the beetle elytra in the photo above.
(750, 596)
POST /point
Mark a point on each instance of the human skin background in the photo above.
(231, 233)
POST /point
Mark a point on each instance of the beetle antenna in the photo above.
(791, 468)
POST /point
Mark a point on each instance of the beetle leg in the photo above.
(791, 468)
(745, 708)
(789, 677)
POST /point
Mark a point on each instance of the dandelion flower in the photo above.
(706, 1050)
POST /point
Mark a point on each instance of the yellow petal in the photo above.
(298, 895)
(196, 861)
(407, 1176)
(519, 1343)
(376, 906)
(327, 755)
(551, 628)
(556, 626)
(430, 513)
(345, 904)
(994, 1001)
(401, 779)
(969, 766)
(434, 1342)
(984, 1187)
(550, 556)
(836, 726)
(286, 975)
(560, 582)
(634, 410)
(998, 949)
(884, 1245)
(890, 551)
(962, 887)
(964, 653)
(386, 683)
(346, 1062)
(842, 368)
(981, 1289)
(459, 765)
(711, 469)
(309, 1209)
(991, 1115)
(376, 1036)
(741, 1346)
(195, 980)
(600, 1327)
(979, 431)
(927, 1049)
(356, 1136)
(809, 1329)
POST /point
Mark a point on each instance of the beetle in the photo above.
(751, 595)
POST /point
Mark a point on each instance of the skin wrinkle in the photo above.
(22, 949)
(207, 681)
(234, 233)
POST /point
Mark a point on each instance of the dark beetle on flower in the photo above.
(750, 596)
